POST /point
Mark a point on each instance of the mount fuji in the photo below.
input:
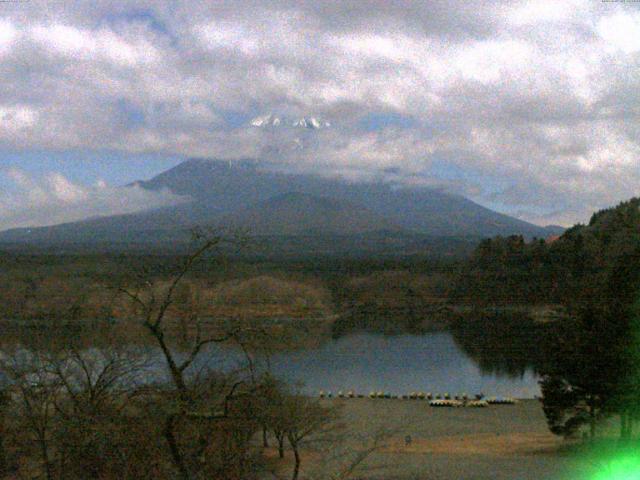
(273, 120)
(294, 214)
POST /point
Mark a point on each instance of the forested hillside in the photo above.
(509, 271)
(589, 360)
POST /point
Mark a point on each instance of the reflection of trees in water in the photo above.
(54, 335)
(413, 318)
(501, 343)
(373, 318)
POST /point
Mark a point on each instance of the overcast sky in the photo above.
(531, 108)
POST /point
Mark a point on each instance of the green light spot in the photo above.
(622, 468)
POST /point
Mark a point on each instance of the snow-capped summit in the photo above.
(271, 120)
(310, 122)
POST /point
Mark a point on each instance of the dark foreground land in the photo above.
(497, 442)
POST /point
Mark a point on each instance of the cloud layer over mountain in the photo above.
(531, 107)
(52, 199)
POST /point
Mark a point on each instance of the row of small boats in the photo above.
(438, 400)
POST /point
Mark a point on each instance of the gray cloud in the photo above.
(541, 95)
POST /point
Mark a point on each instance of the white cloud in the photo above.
(102, 44)
(535, 93)
(64, 191)
(8, 35)
(534, 12)
(227, 35)
(51, 199)
(64, 39)
(17, 117)
(621, 32)
(488, 61)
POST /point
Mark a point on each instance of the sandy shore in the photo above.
(498, 442)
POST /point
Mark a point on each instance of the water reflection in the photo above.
(496, 360)
(363, 362)
(504, 344)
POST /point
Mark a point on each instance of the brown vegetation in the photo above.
(95, 406)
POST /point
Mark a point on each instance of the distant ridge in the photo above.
(243, 194)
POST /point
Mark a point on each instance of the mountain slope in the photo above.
(225, 187)
(242, 195)
(302, 214)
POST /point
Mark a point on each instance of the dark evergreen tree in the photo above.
(592, 362)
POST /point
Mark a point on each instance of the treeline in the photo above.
(590, 357)
(511, 271)
(389, 295)
(593, 370)
(507, 271)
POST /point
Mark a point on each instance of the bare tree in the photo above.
(153, 308)
(36, 392)
(4, 403)
(70, 404)
(303, 417)
(346, 453)
(88, 409)
(97, 387)
(97, 378)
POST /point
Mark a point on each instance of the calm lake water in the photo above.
(362, 362)
(397, 364)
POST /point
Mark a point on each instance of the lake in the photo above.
(398, 364)
(439, 362)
